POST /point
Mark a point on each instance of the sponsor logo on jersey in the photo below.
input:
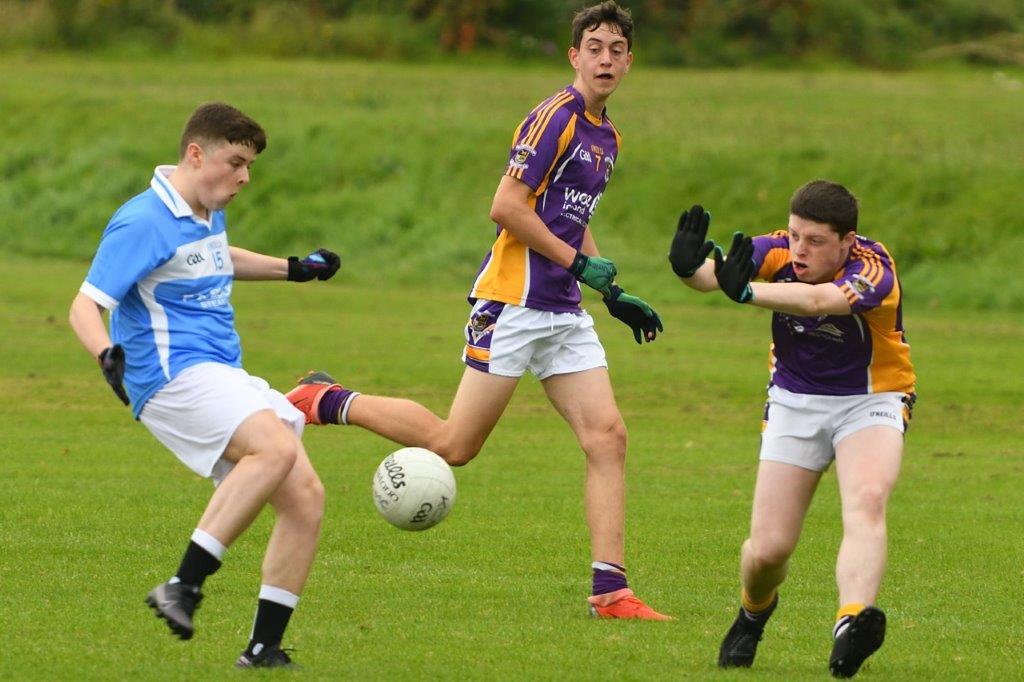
(579, 206)
(217, 297)
(828, 332)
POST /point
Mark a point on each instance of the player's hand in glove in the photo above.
(594, 271)
(635, 312)
(690, 246)
(112, 364)
(321, 265)
(736, 271)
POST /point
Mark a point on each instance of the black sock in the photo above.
(271, 621)
(196, 565)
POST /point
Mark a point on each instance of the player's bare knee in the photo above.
(606, 443)
(867, 504)
(278, 456)
(310, 500)
(768, 554)
(301, 500)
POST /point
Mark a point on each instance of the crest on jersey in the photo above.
(520, 155)
(861, 284)
(609, 166)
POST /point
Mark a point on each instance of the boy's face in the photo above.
(602, 59)
(221, 171)
(818, 252)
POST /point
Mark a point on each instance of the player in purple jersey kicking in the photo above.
(526, 311)
(842, 388)
(165, 270)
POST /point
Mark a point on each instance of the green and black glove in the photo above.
(634, 312)
(736, 271)
(594, 271)
(690, 246)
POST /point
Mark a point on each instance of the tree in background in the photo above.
(887, 33)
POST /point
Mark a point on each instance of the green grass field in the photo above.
(95, 511)
(394, 167)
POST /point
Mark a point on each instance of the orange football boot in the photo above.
(623, 604)
(308, 394)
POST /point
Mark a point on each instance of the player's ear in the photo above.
(629, 61)
(574, 57)
(193, 155)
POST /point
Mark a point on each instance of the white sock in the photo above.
(209, 543)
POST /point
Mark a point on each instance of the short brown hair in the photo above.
(826, 202)
(589, 18)
(216, 121)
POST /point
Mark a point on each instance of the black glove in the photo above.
(321, 265)
(112, 364)
(690, 246)
(634, 312)
(735, 273)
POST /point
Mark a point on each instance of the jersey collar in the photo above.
(178, 207)
(582, 104)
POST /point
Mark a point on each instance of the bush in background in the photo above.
(875, 33)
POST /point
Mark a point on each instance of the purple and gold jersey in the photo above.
(864, 352)
(566, 156)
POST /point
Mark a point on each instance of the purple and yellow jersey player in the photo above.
(565, 155)
(842, 389)
(865, 351)
(526, 313)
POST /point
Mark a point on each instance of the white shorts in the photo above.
(507, 340)
(803, 429)
(196, 414)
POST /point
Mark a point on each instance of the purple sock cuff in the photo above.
(609, 581)
(332, 405)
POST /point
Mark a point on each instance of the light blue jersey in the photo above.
(166, 275)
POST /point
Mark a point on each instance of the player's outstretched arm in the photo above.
(690, 249)
(511, 209)
(800, 298)
(249, 265)
(86, 319)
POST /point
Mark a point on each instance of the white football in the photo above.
(414, 489)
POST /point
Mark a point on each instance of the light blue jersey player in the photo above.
(165, 270)
(165, 274)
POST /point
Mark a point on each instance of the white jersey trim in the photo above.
(100, 297)
(207, 250)
(526, 279)
(174, 202)
(158, 323)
